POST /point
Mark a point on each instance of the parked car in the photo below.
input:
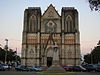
(79, 68)
(36, 68)
(9, 66)
(68, 67)
(97, 67)
(1, 68)
(89, 67)
(5, 66)
(22, 68)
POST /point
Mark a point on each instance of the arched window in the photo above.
(32, 24)
(69, 24)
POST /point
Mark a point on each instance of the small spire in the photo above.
(51, 5)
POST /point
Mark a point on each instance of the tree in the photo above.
(2, 54)
(94, 56)
(94, 5)
(98, 43)
(87, 58)
(11, 55)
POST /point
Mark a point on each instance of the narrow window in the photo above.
(69, 24)
(32, 24)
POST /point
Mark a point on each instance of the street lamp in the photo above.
(6, 48)
(91, 57)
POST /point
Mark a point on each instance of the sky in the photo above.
(12, 13)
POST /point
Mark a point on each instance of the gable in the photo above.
(51, 13)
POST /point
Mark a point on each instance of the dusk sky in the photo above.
(12, 13)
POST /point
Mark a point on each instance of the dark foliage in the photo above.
(93, 57)
(87, 58)
(96, 55)
(94, 5)
(11, 55)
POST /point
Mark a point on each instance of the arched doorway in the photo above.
(49, 61)
(49, 54)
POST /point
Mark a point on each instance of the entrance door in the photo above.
(49, 61)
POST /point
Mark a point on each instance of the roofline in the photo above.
(48, 8)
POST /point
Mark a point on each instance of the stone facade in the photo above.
(40, 32)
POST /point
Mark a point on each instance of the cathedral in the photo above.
(42, 31)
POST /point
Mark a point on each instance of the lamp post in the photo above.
(6, 48)
(91, 57)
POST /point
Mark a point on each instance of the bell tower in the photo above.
(31, 34)
(70, 36)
